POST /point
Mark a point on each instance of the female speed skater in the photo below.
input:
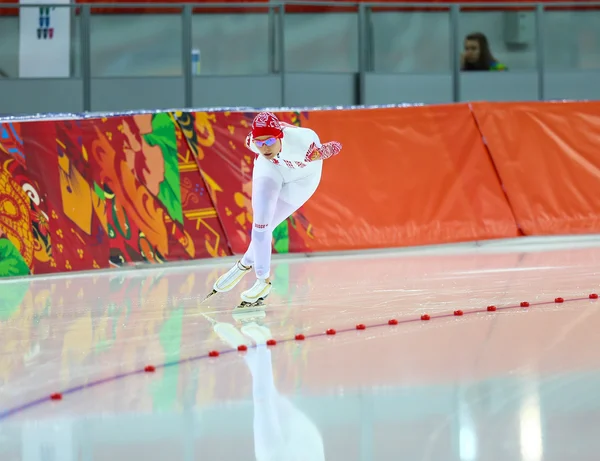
(287, 172)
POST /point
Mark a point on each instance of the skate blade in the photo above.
(212, 293)
(246, 306)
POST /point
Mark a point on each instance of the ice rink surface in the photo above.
(515, 383)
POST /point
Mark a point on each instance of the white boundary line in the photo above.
(522, 244)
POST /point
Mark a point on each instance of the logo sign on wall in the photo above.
(44, 40)
(45, 30)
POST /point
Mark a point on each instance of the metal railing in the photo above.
(276, 48)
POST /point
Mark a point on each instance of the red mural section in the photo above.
(24, 225)
(60, 175)
(95, 193)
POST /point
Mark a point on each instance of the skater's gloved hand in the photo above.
(328, 149)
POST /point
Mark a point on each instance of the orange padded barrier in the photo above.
(548, 157)
(411, 176)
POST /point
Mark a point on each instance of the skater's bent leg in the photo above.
(272, 203)
(282, 212)
(265, 195)
(248, 258)
(261, 241)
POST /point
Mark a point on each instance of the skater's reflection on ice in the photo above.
(281, 431)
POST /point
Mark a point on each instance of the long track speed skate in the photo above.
(229, 280)
(254, 298)
(257, 305)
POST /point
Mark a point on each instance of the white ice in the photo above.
(519, 383)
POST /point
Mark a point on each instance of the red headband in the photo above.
(266, 124)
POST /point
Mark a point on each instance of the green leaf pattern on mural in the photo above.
(163, 135)
(281, 236)
(99, 191)
(12, 263)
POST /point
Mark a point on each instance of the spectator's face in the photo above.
(472, 50)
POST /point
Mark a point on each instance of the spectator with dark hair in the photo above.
(477, 54)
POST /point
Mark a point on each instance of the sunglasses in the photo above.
(266, 142)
